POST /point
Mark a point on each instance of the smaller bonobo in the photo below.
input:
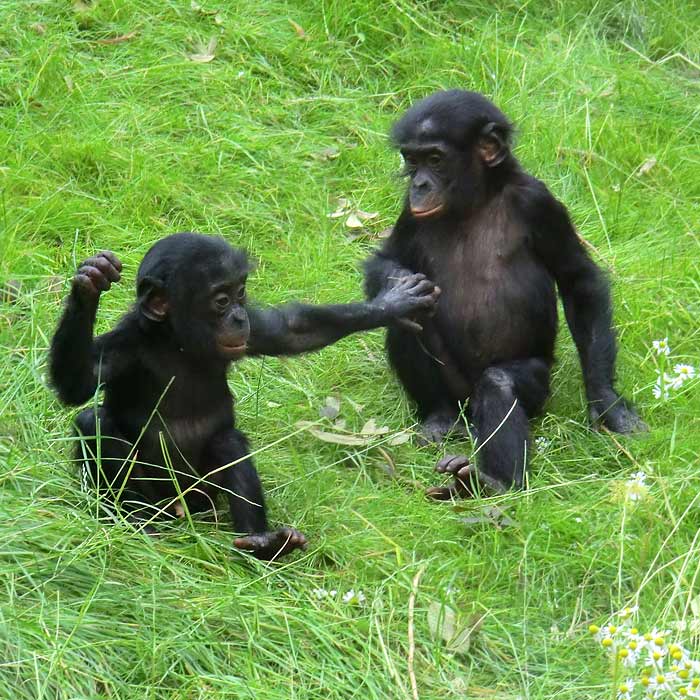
(497, 242)
(165, 432)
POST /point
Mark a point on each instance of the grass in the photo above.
(113, 145)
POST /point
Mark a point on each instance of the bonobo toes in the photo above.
(437, 426)
(468, 481)
(273, 544)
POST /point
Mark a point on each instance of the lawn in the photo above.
(123, 121)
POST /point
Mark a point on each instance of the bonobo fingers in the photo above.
(451, 464)
(272, 545)
(97, 274)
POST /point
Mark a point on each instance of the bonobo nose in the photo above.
(239, 314)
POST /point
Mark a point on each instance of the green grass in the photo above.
(115, 145)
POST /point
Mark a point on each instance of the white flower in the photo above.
(631, 610)
(635, 489)
(624, 692)
(661, 347)
(319, 593)
(659, 682)
(661, 387)
(542, 443)
(353, 597)
(683, 372)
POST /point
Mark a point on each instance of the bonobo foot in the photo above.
(468, 481)
(437, 426)
(271, 545)
(616, 414)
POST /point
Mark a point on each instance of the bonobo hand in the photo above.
(96, 275)
(616, 414)
(413, 294)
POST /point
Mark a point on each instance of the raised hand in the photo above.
(96, 275)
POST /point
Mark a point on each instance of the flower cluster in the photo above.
(352, 597)
(666, 381)
(652, 665)
(636, 486)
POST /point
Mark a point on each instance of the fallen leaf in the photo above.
(206, 55)
(400, 438)
(370, 428)
(353, 221)
(38, 27)
(647, 166)
(116, 39)
(330, 153)
(444, 624)
(299, 30)
(334, 438)
(366, 215)
(331, 408)
(273, 404)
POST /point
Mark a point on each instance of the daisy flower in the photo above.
(661, 347)
(353, 597)
(635, 489)
(624, 692)
(662, 385)
(683, 373)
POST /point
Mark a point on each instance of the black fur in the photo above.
(497, 243)
(165, 433)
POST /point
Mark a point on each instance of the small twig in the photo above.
(620, 446)
(411, 637)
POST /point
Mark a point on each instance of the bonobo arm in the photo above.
(586, 296)
(382, 271)
(77, 360)
(297, 328)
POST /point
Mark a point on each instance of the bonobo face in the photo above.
(193, 288)
(429, 166)
(218, 325)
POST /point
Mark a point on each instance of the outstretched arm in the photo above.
(586, 296)
(75, 355)
(297, 328)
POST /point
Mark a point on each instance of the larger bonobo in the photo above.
(496, 242)
(165, 432)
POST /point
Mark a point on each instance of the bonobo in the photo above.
(496, 242)
(165, 433)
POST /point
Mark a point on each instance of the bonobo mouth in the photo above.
(232, 350)
(419, 213)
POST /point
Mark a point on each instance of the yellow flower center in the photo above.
(683, 674)
(607, 642)
(645, 681)
(624, 688)
(634, 631)
(633, 645)
(624, 653)
(696, 682)
(683, 692)
(648, 637)
(659, 641)
(593, 629)
(612, 629)
(660, 679)
(677, 655)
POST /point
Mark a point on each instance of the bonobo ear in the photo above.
(152, 299)
(493, 148)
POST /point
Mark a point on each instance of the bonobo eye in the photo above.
(410, 162)
(435, 160)
(241, 294)
(222, 301)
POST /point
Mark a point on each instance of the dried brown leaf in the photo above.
(353, 221)
(299, 30)
(116, 39)
(206, 54)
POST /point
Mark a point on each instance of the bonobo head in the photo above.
(454, 144)
(193, 287)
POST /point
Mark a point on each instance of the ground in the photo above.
(123, 121)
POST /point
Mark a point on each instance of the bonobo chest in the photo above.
(498, 300)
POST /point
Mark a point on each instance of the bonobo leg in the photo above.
(107, 462)
(505, 397)
(419, 371)
(246, 500)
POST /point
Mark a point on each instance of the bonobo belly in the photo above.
(504, 311)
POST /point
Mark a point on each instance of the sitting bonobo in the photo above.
(499, 245)
(165, 433)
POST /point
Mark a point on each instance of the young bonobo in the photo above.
(165, 431)
(496, 242)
